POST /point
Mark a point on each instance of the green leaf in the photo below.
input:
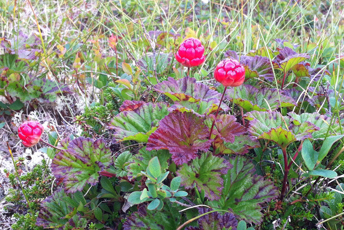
(322, 172)
(139, 124)
(135, 198)
(154, 204)
(52, 137)
(162, 177)
(309, 155)
(242, 225)
(326, 146)
(175, 183)
(144, 194)
(2, 125)
(204, 173)
(244, 191)
(17, 105)
(154, 167)
(140, 161)
(180, 194)
(98, 213)
(107, 185)
(121, 163)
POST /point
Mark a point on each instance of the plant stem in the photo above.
(242, 116)
(217, 112)
(188, 72)
(17, 175)
(286, 171)
(285, 74)
(116, 61)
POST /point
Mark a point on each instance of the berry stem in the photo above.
(217, 112)
(188, 72)
(51, 145)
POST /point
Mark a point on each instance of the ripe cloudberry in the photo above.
(190, 53)
(30, 133)
(230, 72)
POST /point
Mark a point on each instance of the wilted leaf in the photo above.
(250, 98)
(243, 191)
(186, 89)
(205, 174)
(183, 134)
(139, 124)
(81, 163)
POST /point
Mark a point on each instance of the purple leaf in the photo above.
(257, 67)
(288, 58)
(183, 134)
(215, 220)
(81, 163)
(168, 218)
(199, 108)
(226, 128)
(131, 105)
(231, 54)
(186, 89)
(205, 173)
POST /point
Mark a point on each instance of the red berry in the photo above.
(30, 133)
(190, 53)
(230, 72)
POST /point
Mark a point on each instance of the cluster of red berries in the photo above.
(228, 72)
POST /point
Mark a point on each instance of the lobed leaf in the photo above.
(250, 98)
(322, 122)
(130, 105)
(243, 191)
(168, 218)
(81, 163)
(198, 108)
(187, 89)
(183, 134)
(59, 211)
(226, 128)
(215, 220)
(288, 58)
(205, 174)
(280, 129)
(257, 67)
(139, 124)
(241, 145)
